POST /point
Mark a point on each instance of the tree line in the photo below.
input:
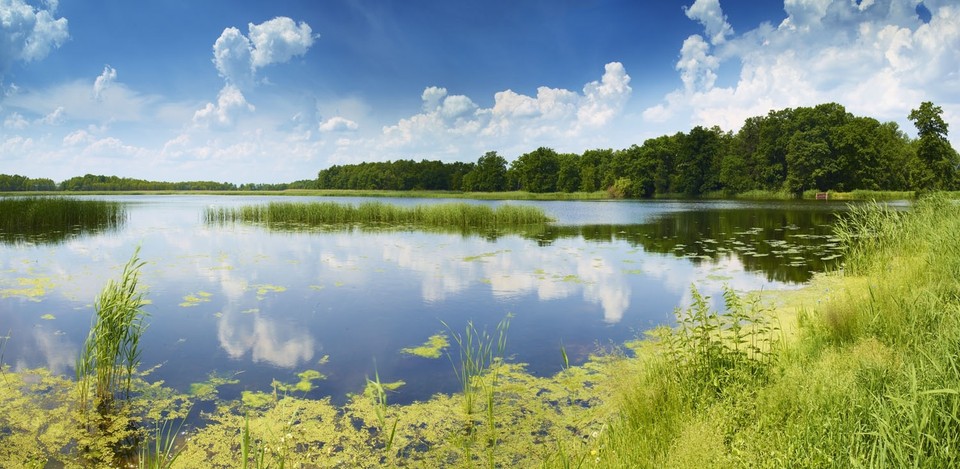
(791, 151)
(796, 150)
(100, 183)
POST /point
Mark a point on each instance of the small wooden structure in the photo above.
(823, 195)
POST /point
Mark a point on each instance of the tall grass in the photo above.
(870, 378)
(111, 352)
(331, 213)
(53, 219)
(478, 370)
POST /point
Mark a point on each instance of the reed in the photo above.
(160, 449)
(111, 352)
(378, 213)
(478, 371)
(54, 219)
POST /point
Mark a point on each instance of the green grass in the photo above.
(871, 195)
(870, 377)
(54, 219)
(378, 213)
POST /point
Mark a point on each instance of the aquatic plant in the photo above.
(478, 370)
(160, 449)
(46, 219)
(279, 214)
(378, 394)
(111, 352)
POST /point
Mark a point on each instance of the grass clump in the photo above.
(55, 219)
(111, 353)
(378, 213)
(107, 366)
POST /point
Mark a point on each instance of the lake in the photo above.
(260, 305)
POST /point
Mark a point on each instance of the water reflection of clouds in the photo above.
(57, 352)
(265, 339)
(512, 267)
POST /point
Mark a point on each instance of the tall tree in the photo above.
(536, 171)
(933, 148)
(490, 173)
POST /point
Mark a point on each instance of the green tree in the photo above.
(698, 162)
(490, 173)
(536, 171)
(933, 149)
(568, 172)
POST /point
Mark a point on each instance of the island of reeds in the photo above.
(320, 214)
(46, 219)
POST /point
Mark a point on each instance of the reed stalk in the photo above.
(111, 353)
(478, 371)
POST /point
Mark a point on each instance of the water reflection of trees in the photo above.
(787, 246)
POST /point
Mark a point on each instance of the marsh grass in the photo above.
(478, 370)
(46, 219)
(292, 214)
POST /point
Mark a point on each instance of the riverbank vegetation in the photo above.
(319, 214)
(860, 369)
(54, 219)
(870, 377)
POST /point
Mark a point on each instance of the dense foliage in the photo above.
(791, 151)
(15, 182)
(396, 175)
(100, 183)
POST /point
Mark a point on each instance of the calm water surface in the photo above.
(263, 305)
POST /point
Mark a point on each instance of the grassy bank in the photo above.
(332, 213)
(868, 376)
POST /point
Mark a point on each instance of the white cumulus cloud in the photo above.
(338, 124)
(237, 57)
(104, 81)
(230, 104)
(877, 58)
(278, 40)
(28, 33)
(454, 125)
(709, 14)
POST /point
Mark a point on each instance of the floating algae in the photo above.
(432, 348)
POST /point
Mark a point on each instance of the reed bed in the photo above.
(52, 219)
(378, 213)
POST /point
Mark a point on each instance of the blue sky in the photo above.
(245, 91)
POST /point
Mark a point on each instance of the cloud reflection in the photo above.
(266, 340)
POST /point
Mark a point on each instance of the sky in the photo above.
(267, 92)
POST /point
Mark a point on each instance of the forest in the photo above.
(788, 151)
(792, 151)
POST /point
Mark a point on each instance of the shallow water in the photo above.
(261, 305)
